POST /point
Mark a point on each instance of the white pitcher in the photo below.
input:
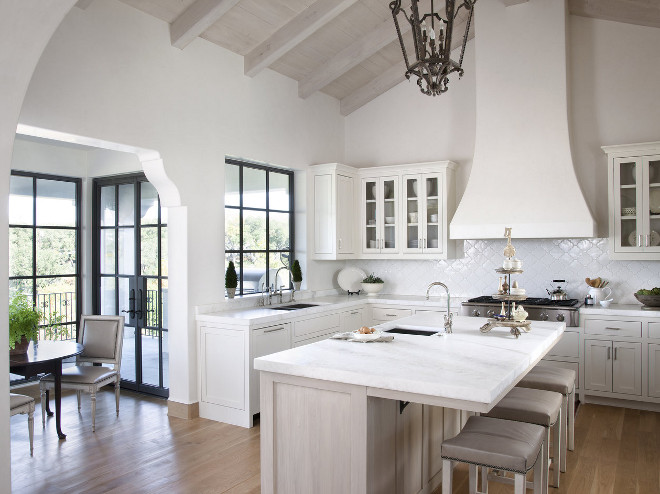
(599, 294)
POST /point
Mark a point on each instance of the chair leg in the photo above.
(472, 479)
(520, 482)
(31, 430)
(545, 461)
(564, 413)
(446, 476)
(117, 395)
(42, 397)
(570, 420)
(557, 451)
(79, 395)
(484, 480)
(93, 411)
(540, 476)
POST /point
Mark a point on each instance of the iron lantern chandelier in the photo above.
(432, 40)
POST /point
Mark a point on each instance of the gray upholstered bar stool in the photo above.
(535, 406)
(561, 381)
(495, 443)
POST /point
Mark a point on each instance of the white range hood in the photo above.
(522, 173)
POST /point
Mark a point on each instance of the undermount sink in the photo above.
(416, 332)
(294, 306)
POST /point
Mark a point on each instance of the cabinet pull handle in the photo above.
(340, 244)
(614, 353)
(647, 237)
(355, 313)
(639, 240)
(390, 315)
(273, 330)
(608, 353)
(608, 327)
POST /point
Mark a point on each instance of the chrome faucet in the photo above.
(448, 317)
(279, 291)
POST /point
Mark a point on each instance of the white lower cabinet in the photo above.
(654, 370)
(315, 328)
(383, 314)
(613, 366)
(351, 320)
(265, 341)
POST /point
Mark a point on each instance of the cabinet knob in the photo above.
(560, 317)
(544, 316)
(490, 313)
(476, 313)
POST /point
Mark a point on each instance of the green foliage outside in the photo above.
(254, 234)
(296, 272)
(231, 279)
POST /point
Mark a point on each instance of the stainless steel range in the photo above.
(539, 309)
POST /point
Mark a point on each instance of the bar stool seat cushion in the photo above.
(533, 406)
(550, 379)
(16, 401)
(496, 443)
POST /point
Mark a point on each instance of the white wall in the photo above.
(110, 73)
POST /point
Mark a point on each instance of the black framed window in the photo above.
(259, 223)
(44, 248)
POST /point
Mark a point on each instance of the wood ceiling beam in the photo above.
(352, 55)
(639, 12)
(291, 34)
(196, 19)
(83, 4)
(388, 79)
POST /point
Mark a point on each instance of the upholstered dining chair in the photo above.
(23, 404)
(101, 337)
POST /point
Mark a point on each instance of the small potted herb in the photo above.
(296, 274)
(231, 280)
(23, 324)
(372, 285)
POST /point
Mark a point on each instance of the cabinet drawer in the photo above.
(567, 346)
(654, 330)
(313, 339)
(316, 325)
(384, 314)
(613, 328)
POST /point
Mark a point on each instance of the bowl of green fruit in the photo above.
(649, 298)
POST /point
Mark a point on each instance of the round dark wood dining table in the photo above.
(46, 356)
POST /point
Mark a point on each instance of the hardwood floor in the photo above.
(144, 451)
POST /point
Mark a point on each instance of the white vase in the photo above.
(297, 285)
(231, 292)
(599, 294)
(372, 289)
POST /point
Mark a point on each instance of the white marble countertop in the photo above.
(252, 316)
(619, 310)
(465, 365)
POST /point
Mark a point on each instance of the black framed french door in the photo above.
(130, 275)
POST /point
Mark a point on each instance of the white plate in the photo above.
(655, 238)
(373, 336)
(349, 279)
(654, 201)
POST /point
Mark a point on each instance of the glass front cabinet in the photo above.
(422, 213)
(634, 200)
(380, 215)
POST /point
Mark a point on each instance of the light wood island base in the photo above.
(327, 437)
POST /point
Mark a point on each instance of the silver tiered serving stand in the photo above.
(515, 327)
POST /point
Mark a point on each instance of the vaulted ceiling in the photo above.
(345, 48)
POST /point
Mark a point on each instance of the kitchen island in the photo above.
(334, 416)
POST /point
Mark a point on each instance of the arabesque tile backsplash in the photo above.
(543, 261)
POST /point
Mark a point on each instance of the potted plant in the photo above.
(372, 285)
(23, 324)
(231, 280)
(296, 274)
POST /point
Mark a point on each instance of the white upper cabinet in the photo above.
(634, 200)
(399, 212)
(332, 221)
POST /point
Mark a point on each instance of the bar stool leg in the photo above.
(570, 420)
(484, 480)
(545, 461)
(520, 481)
(473, 479)
(540, 480)
(446, 476)
(564, 436)
(557, 455)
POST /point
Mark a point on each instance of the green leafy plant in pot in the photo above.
(296, 274)
(372, 285)
(231, 280)
(23, 324)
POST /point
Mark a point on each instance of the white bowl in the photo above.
(389, 219)
(366, 337)
(434, 218)
(606, 303)
(372, 289)
(412, 217)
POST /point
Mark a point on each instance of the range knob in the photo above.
(476, 313)
(544, 316)
(490, 313)
(560, 317)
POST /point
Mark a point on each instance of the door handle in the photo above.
(614, 353)
(131, 303)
